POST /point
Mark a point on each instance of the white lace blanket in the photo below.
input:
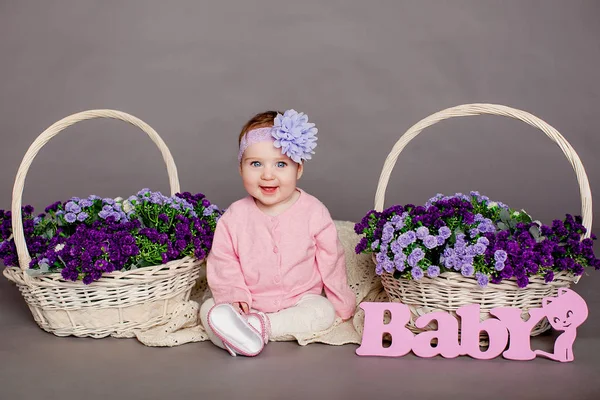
(185, 327)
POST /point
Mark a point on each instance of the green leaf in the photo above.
(502, 226)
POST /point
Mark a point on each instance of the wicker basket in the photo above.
(120, 303)
(451, 290)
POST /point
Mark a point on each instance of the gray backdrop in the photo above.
(364, 72)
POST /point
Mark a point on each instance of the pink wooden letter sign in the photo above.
(565, 313)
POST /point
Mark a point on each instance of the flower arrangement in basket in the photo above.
(476, 237)
(98, 267)
(82, 239)
(466, 249)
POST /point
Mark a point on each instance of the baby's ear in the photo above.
(300, 170)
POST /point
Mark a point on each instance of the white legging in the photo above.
(312, 313)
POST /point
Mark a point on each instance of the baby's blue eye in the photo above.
(255, 163)
(281, 164)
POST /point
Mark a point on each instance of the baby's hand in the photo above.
(241, 306)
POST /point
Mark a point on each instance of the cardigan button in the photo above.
(277, 279)
(275, 249)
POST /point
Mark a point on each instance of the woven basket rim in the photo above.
(112, 278)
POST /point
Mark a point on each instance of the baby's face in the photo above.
(269, 176)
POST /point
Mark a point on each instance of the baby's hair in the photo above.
(260, 120)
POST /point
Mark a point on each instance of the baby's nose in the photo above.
(267, 173)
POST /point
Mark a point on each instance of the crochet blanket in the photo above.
(185, 327)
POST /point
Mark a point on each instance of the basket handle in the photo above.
(17, 196)
(467, 110)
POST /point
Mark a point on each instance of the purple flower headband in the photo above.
(291, 132)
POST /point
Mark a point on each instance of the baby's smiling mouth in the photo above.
(268, 189)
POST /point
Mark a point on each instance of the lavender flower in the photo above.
(482, 279)
(467, 269)
(500, 255)
(296, 137)
(430, 241)
(417, 273)
(70, 217)
(422, 232)
(433, 271)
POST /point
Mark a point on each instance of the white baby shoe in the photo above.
(261, 323)
(240, 334)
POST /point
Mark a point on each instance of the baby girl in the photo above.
(276, 250)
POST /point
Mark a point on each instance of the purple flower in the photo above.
(70, 217)
(400, 261)
(484, 241)
(430, 241)
(482, 279)
(422, 232)
(467, 269)
(381, 257)
(549, 277)
(440, 240)
(499, 265)
(522, 281)
(479, 248)
(388, 266)
(500, 255)
(417, 273)
(72, 207)
(396, 247)
(418, 254)
(375, 244)
(404, 240)
(433, 271)
(82, 216)
(86, 203)
(388, 233)
(295, 135)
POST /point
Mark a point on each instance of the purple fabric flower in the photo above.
(70, 217)
(82, 216)
(296, 137)
(440, 240)
(499, 265)
(375, 245)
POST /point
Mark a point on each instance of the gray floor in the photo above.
(38, 365)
